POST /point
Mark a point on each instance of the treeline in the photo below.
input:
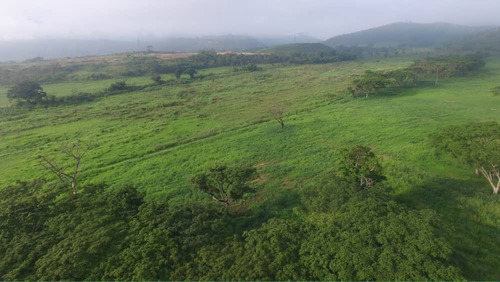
(42, 72)
(346, 227)
(434, 68)
(141, 65)
(30, 93)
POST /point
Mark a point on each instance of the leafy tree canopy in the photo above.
(29, 92)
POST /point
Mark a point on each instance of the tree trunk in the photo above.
(489, 176)
(437, 77)
(282, 123)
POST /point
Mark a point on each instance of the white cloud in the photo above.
(24, 19)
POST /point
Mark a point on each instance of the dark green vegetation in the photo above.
(486, 41)
(405, 35)
(26, 92)
(349, 189)
(420, 71)
(133, 65)
(475, 145)
(306, 48)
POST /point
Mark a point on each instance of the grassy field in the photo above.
(157, 138)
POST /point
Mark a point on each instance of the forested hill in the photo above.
(405, 34)
(486, 41)
(306, 48)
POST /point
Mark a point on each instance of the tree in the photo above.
(496, 91)
(118, 86)
(277, 112)
(178, 72)
(401, 78)
(361, 165)
(369, 83)
(74, 151)
(476, 145)
(27, 91)
(191, 71)
(374, 238)
(225, 184)
(157, 79)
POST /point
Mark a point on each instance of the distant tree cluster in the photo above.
(30, 93)
(434, 68)
(141, 65)
(41, 72)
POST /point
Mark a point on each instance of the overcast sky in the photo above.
(132, 19)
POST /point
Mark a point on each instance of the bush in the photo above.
(118, 86)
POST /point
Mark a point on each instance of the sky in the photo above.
(133, 19)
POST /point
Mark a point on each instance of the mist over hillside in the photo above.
(60, 48)
(392, 35)
(405, 34)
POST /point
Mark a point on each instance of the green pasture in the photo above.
(156, 139)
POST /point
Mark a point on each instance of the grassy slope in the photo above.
(156, 139)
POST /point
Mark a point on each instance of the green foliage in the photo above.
(371, 238)
(156, 137)
(118, 86)
(225, 184)
(157, 79)
(360, 165)
(27, 92)
(191, 71)
(367, 237)
(368, 84)
(444, 66)
(496, 91)
(476, 145)
(401, 78)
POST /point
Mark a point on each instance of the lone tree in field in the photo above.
(76, 152)
(369, 83)
(277, 113)
(360, 164)
(225, 184)
(191, 72)
(179, 70)
(476, 145)
(157, 79)
(29, 92)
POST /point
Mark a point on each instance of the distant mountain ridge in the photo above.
(405, 34)
(60, 48)
(391, 35)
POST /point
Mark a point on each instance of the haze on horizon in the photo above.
(133, 19)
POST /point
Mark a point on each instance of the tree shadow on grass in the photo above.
(463, 206)
(278, 205)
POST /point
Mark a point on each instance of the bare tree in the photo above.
(492, 174)
(74, 151)
(277, 112)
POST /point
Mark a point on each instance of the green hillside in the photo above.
(139, 216)
(305, 48)
(404, 34)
